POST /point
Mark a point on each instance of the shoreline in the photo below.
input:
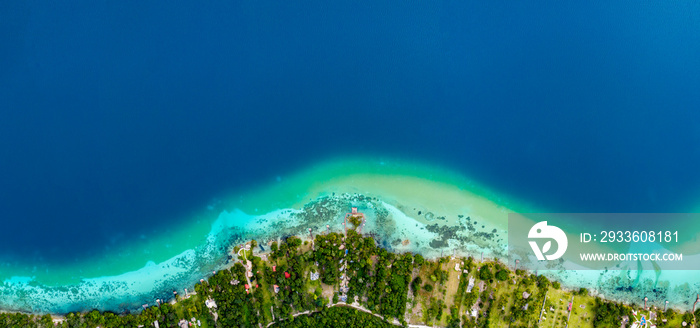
(415, 233)
(340, 175)
(443, 217)
(501, 286)
(227, 225)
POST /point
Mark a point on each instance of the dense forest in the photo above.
(335, 317)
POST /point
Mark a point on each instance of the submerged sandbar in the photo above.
(411, 207)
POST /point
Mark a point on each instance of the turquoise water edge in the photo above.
(411, 207)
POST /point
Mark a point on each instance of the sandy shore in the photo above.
(410, 208)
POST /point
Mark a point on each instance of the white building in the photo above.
(471, 284)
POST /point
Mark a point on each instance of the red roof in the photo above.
(246, 286)
(274, 268)
(286, 275)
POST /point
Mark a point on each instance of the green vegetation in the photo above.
(485, 272)
(502, 275)
(355, 220)
(335, 317)
(607, 314)
(353, 270)
(415, 285)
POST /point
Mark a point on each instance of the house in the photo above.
(58, 322)
(457, 267)
(274, 268)
(474, 313)
(287, 275)
(277, 288)
(471, 284)
(526, 295)
(314, 276)
(210, 303)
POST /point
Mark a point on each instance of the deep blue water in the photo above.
(122, 116)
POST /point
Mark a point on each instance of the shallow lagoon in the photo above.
(411, 207)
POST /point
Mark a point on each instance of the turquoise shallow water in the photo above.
(131, 274)
(411, 207)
